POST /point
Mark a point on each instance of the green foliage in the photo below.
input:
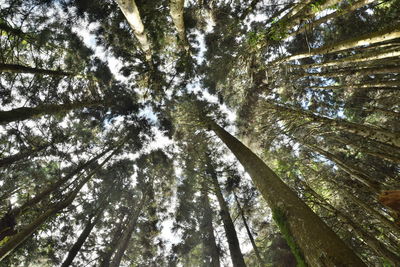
(255, 39)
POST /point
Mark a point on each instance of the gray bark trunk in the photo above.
(314, 239)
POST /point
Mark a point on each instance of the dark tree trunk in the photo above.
(82, 237)
(28, 230)
(307, 234)
(211, 250)
(370, 240)
(250, 235)
(349, 168)
(110, 250)
(8, 221)
(127, 234)
(233, 242)
(374, 133)
(20, 114)
(4, 162)
(23, 69)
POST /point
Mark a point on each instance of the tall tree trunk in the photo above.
(176, 10)
(250, 235)
(350, 8)
(132, 15)
(28, 230)
(346, 166)
(14, 68)
(210, 247)
(370, 240)
(366, 39)
(7, 161)
(374, 133)
(110, 250)
(369, 209)
(371, 84)
(9, 219)
(357, 58)
(92, 221)
(382, 153)
(305, 232)
(352, 71)
(231, 236)
(126, 236)
(306, 11)
(20, 114)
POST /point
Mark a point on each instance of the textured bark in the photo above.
(94, 218)
(370, 240)
(383, 153)
(366, 39)
(23, 69)
(127, 234)
(176, 10)
(368, 208)
(391, 199)
(16, 212)
(249, 234)
(387, 112)
(316, 241)
(20, 114)
(231, 235)
(277, 13)
(210, 248)
(132, 15)
(7, 161)
(374, 133)
(307, 12)
(346, 166)
(362, 57)
(337, 13)
(106, 256)
(353, 71)
(372, 84)
(28, 230)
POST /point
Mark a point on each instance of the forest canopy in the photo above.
(201, 133)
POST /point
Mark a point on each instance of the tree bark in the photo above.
(106, 256)
(337, 13)
(374, 133)
(14, 68)
(7, 161)
(132, 15)
(382, 153)
(27, 231)
(92, 221)
(368, 208)
(308, 12)
(366, 39)
(362, 57)
(353, 171)
(353, 72)
(210, 248)
(372, 84)
(231, 235)
(176, 10)
(15, 213)
(319, 245)
(127, 234)
(20, 114)
(370, 240)
(250, 235)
